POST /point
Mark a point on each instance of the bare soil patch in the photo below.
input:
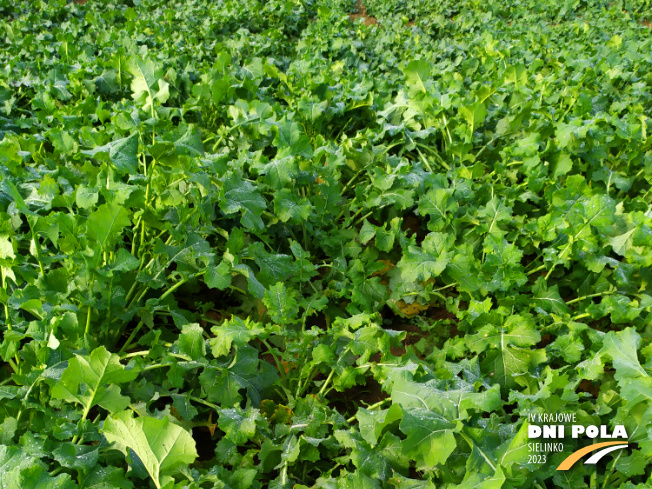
(362, 14)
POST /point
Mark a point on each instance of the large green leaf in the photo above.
(38, 478)
(242, 196)
(93, 380)
(281, 304)
(416, 72)
(191, 341)
(234, 331)
(430, 437)
(106, 478)
(508, 349)
(427, 261)
(122, 152)
(105, 225)
(622, 348)
(148, 83)
(290, 140)
(12, 461)
(162, 447)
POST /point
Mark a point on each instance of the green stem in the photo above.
(142, 237)
(180, 283)
(302, 385)
(424, 161)
(185, 361)
(328, 379)
(163, 296)
(608, 474)
(487, 145)
(20, 412)
(436, 154)
(4, 287)
(149, 174)
(131, 337)
(108, 309)
(169, 291)
(153, 117)
(88, 320)
(237, 289)
(579, 299)
(134, 240)
(374, 364)
(88, 315)
(154, 366)
(205, 403)
(215, 146)
(135, 284)
(363, 217)
(14, 365)
(352, 218)
(369, 408)
(450, 139)
(445, 287)
(37, 247)
(343, 128)
(538, 269)
(312, 286)
(386, 150)
(84, 416)
(279, 364)
(143, 353)
(284, 474)
(358, 173)
(581, 316)
(210, 138)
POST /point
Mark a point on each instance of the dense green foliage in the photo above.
(264, 244)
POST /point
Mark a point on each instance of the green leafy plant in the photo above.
(314, 244)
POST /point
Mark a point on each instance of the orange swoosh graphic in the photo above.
(575, 456)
